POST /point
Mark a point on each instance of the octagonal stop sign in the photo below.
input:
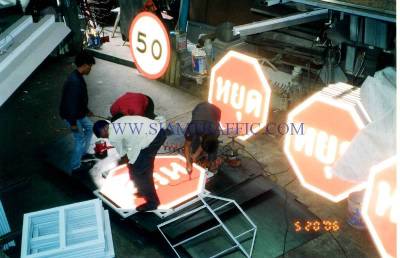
(381, 208)
(239, 88)
(329, 124)
(172, 182)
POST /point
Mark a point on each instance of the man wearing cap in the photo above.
(137, 140)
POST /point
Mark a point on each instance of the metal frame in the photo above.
(349, 8)
(162, 213)
(279, 23)
(213, 211)
(123, 213)
(274, 2)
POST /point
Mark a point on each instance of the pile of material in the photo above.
(23, 47)
(76, 230)
(101, 10)
(377, 141)
(5, 227)
(347, 94)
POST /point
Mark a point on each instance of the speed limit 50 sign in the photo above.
(149, 45)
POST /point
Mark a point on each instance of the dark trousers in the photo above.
(141, 172)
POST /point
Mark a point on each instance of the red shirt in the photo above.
(130, 104)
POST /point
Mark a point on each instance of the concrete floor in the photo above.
(30, 121)
(116, 47)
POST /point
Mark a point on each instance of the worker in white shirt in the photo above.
(137, 140)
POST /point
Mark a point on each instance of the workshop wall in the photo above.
(214, 12)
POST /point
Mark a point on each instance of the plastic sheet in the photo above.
(376, 142)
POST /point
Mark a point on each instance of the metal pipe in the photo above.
(349, 8)
(279, 23)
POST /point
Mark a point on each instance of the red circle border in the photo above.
(165, 67)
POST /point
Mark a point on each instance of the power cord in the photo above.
(339, 244)
(172, 118)
(262, 166)
(287, 225)
(286, 194)
(286, 215)
(285, 203)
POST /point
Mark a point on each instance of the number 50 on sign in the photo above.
(149, 44)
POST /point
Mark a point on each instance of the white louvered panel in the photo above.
(76, 230)
(5, 227)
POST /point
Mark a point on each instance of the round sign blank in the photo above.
(149, 44)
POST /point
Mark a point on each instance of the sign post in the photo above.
(150, 45)
(239, 88)
(381, 208)
(329, 125)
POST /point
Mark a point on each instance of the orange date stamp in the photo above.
(316, 226)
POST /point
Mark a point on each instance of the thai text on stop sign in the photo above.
(241, 99)
(171, 181)
(165, 174)
(388, 202)
(322, 146)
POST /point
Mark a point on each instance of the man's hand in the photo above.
(189, 166)
(123, 160)
(194, 158)
(74, 128)
(186, 150)
(90, 114)
(213, 167)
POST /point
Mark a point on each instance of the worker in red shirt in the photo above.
(133, 104)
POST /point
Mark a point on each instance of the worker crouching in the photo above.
(137, 140)
(201, 137)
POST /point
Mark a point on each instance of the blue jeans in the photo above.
(82, 139)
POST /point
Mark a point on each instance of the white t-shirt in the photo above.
(131, 134)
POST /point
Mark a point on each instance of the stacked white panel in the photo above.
(23, 47)
(77, 230)
(5, 227)
(349, 96)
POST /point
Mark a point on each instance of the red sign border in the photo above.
(295, 111)
(200, 185)
(252, 61)
(364, 209)
(165, 67)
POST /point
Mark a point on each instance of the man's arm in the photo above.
(197, 154)
(186, 151)
(73, 94)
(124, 159)
(218, 111)
(117, 144)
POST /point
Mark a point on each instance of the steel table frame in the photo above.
(213, 211)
